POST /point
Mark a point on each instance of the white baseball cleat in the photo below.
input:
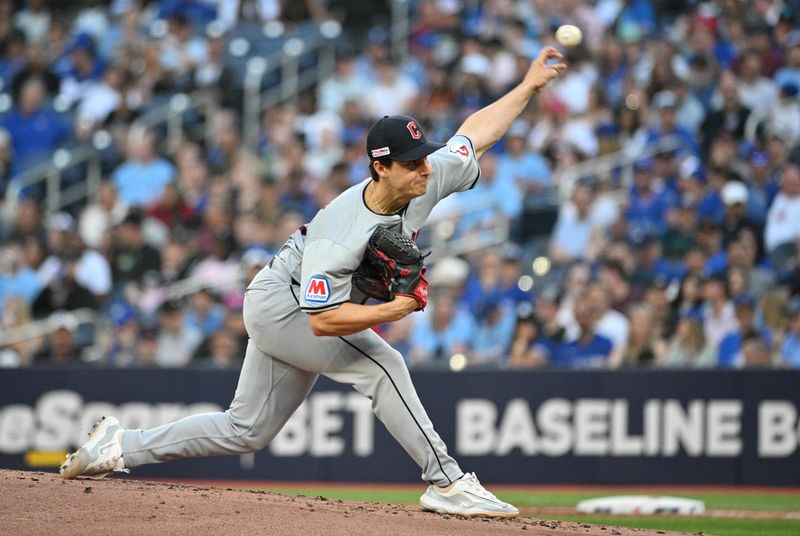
(100, 455)
(465, 497)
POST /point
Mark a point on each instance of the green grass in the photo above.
(725, 500)
(708, 525)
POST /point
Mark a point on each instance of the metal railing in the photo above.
(606, 164)
(401, 27)
(39, 328)
(444, 239)
(173, 116)
(173, 113)
(293, 78)
(51, 171)
(193, 284)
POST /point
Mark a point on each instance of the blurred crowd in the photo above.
(683, 252)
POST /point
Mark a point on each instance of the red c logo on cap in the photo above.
(412, 127)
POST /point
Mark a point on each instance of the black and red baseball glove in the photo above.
(392, 266)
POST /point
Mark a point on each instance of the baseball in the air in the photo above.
(569, 35)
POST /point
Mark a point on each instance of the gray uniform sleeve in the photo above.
(455, 166)
(326, 275)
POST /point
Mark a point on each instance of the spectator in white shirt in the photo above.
(343, 85)
(92, 269)
(34, 20)
(100, 216)
(782, 229)
(612, 324)
(181, 50)
(719, 315)
(100, 100)
(393, 92)
(756, 92)
(92, 18)
(784, 115)
(177, 341)
(575, 237)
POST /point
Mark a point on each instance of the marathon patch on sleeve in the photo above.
(460, 149)
(318, 289)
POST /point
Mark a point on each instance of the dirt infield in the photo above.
(34, 503)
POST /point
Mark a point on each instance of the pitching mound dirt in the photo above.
(35, 503)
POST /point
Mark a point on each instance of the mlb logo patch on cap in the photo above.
(318, 289)
(378, 153)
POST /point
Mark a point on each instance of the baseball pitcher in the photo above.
(306, 316)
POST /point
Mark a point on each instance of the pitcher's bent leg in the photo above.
(269, 391)
(378, 371)
(363, 360)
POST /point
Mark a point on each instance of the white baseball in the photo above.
(569, 35)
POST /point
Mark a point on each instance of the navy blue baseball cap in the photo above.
(398, 137)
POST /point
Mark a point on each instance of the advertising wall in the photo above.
(711, 427)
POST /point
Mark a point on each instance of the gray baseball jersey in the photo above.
(335, 240)
(312, 272)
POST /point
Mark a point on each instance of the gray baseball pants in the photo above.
(282, 362)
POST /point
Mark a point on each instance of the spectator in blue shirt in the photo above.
(790, 72)
(587, 350)
(296, 199)
(497, 278)
(205, 313)
(503, 194)
(613, 71)
(651, 265)
(638, 13)
(730, 347)
(84, 69)
(508, 289)
(141, 179)
(666, 103)
(35, 129)
(702, 78)
(526, 171)
(790, 348)
(493, 334)
(648, 206)
(13, 58)
(443, 330)
(762, 187)
(711, 207)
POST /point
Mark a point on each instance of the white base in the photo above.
(642, 505)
